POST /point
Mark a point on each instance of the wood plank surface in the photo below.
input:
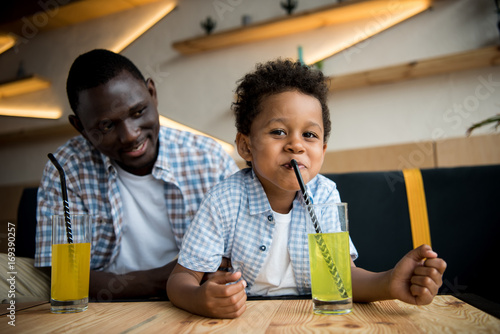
(446, 314)
(468, 151)
(381, 158)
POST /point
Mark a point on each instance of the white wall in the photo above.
(197, 90)
(432, 108)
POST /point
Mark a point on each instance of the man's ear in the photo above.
(76, 123)
(243, 146)
(150, 84)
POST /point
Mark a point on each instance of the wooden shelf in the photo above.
(22, 86)
(333, 14)
(484, 57)
(6, 42)
(36, 135)
(72, 13)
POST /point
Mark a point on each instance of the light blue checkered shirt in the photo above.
(188, 164)
(235, 221)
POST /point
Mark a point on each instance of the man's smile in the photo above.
(136, 151)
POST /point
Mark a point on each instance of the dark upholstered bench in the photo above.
(463, 207)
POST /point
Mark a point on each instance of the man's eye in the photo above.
(139, 112)
(106, 126)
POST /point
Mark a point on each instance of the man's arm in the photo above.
(137, 284)
(105, 286)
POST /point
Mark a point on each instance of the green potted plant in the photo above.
(493, 119)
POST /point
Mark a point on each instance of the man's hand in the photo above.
(417, 277)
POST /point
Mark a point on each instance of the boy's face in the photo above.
(289, 126)
(121, 120)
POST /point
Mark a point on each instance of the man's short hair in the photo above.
(95, 68)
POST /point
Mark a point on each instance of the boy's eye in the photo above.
(310, 135)
(278, 132)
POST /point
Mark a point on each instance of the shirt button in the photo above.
(262, 248)
(270, 218)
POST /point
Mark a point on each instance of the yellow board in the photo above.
(417, 206)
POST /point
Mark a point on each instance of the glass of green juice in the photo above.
(70, 264)
(329, 258)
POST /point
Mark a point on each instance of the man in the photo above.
(142, 183)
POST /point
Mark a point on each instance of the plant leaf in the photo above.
(484, 122)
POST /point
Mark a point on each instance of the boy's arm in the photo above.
(415, 279)
(214, 298)
(368, 286)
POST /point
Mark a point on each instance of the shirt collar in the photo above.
(257, 198)
(161, 163)
(108, 164)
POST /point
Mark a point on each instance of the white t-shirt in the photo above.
(147, 239)
(276, 276)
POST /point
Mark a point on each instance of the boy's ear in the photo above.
(243, 146)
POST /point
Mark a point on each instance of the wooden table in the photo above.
(446, 314)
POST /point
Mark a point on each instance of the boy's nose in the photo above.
(294, 145)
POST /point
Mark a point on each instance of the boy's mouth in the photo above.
(289, 165)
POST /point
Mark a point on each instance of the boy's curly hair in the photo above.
(276, 77)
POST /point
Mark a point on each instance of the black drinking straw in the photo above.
(332, 268)
(62, 176)
(305, 196)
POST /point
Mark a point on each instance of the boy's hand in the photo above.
(224, 267)
(223, 300)
(416, 278)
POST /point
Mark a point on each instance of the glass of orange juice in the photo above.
(70, 263)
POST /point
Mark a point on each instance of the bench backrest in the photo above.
(463, 207)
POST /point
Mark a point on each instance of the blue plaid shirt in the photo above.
(235, 221)
(188, 164)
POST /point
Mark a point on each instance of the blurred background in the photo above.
(407, 77)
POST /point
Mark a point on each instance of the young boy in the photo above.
(256, 216)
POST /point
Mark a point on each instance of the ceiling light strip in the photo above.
(127, 40)
(32, 113)
(173, 124)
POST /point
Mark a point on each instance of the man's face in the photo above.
(120, 119)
